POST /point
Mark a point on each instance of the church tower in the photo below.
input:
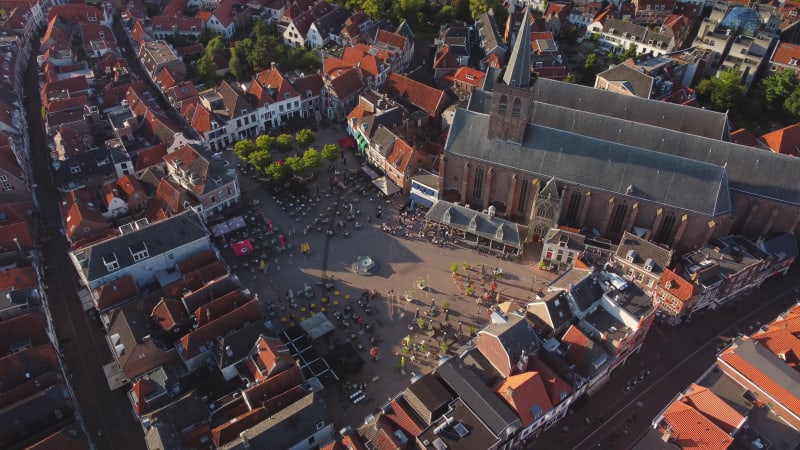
(512, 97)
(545, 211)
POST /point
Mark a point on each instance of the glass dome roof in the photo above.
(742, 18)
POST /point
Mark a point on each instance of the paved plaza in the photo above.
(403, 264)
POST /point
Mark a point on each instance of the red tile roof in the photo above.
(18, 224)
(760, 379)
(692, 430)
(190, 158)
(424, 97)
(220, 306)
(313, 83)
(470, 76)
(390, 38)
(224, 12)
(786, 52)
(117, 291)
(350, 441)
(27, 326)
(743, 136)
(273, 355)
(785, 140)
(17, 368)
(67, 104)
(270, 86)
(197, 261)
(281, 382)
(168, 313)
(525, 392)
(556, 388)
(677, 285)
(347, 84)
(579, 345)
(67, 438)
(189, 346)
(370, 60)
(81, 215)
(174, 8)
(444, 59)
(168, 78)
(76, 13)
(139, 391)
(783, 342)
(18, 278)
(714, 408)
(402, 416)
(71, 86)
(150, 157)
(180, 24)
(357, 113)
(230, 430)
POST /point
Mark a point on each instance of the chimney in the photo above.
(273, 65)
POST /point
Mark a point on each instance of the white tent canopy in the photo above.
(387, 187)
(317, 326)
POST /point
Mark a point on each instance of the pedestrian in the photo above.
(416, 314)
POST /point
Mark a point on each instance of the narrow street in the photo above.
(107, 414)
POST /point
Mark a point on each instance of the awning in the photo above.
(242, 248)
(317, 326)
(220, 229)
(236, 223)
(347, 142)
(386, 186)
(362, 142)
(370, 173)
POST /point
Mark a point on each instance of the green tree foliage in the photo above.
(778, 87)
(461, 9)
(570, 78)
(265, 142)
(408, 9)
(792, 102)
(630, 52)
(446, 14)
(725, 91)
(284, 142)
(305, 137)
(331, 152)
(278, 171)
(207, 69)
(244, 149)
(590, 67)
(296, 165)
(311, 158)
(216, 46)
(239, 68)
(478, 7)
(261, 159)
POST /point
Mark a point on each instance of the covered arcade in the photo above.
(484, 229)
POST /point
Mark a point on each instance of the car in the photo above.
(217, 156)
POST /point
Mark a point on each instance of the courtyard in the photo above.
(424, 301)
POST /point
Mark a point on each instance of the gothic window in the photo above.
(545, 211)
(618, 219)
(516, 108)
(667, 226)
(523, 196)
(540, 229)
(501, 108)
(574, 208)
(477, 185)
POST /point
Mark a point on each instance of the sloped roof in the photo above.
(168, 313)
(150, 156)
(190, 345)
(525, 393)
(785, 141)
(556, 388)
(347, 84)
(404, 417)
(391, 39)
(628, 79)
(644, 251)
(424, 97)
(677, 285)
(585, 354)
(18, 278)
(25, 328)
(116, 291)
(190, 160)
(486, 226)
(714, 408)
(692, 430)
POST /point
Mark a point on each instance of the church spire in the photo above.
(518, 71)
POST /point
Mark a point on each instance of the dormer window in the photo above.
(287, 96)
(139, 251)
(111, 262)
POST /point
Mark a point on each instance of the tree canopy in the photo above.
(305, 137)
(284, 142)
(331, 152)
(778, 87)
(724, 91)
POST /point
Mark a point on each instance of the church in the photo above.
(546, 153)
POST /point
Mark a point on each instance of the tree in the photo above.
(792, 103)
(630, 52)
(215, 47)
(311, 158)
(207, 69)
(305, 137)
(244, 149)
(461, 9)
(239, 68)
(295, 164)
(778, 87)
(478, 7)
(591, 67)
(570, 78)
(446, 14)
(407, 9)
(725, 91)
(331, 152)
(265, 142)
(284, 142)
(260, 158)
(278, 171)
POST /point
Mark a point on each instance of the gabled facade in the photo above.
(641, 261)
(214, 187)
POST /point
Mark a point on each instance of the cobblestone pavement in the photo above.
(403, 263)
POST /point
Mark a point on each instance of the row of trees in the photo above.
(419, 12)
(259, 154)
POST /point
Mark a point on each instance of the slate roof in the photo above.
(161, 237)
(234, 347)
(585, 354)
(574, 241)
(187, 410)
(287, 427)
(495, 413)
(427, 397)
(629, 79)
(644, 251)
(602, 165)
(783, 246)
(552, 310)
(485, 226)
(96, 164)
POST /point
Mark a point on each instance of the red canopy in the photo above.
(242, 248)
(347, 141)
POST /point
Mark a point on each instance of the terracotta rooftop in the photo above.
(168, 313)
(190, 345)
(692, 430)
(18, 278)
(404, 417)
(115, 292)
(424, 97)
(526, 394)
(785, 140)
(677, 285)
(714, 408)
